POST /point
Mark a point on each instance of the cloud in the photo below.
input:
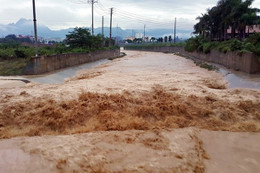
(130, 14)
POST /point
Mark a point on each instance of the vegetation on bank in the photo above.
(200, 44)
(205, 45)
(14, 55)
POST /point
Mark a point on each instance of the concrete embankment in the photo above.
(44, 64)
(246, 62)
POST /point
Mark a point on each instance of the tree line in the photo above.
(235, 15)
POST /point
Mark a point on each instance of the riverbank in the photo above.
(152, 103)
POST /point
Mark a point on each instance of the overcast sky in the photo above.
(128, 14)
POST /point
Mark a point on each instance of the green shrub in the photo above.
(191, 45)
(236, 45)
(19, 53)
(207, 47)
(254, 39)
(60, 48)
(225, 49)
(249, 46)
(6, 53)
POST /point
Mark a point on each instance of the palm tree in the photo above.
(236, 14)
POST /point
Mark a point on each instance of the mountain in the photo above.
(25, 27)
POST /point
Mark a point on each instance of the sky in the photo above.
(127, 14)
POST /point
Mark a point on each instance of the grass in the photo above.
(206, 66)
(12, 67)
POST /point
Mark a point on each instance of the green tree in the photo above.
(79, 38)
(234, 14)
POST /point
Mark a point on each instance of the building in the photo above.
(129, 38)
(249, 29)
(139, 35)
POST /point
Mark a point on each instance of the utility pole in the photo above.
(103, 26)
(35, 29)
(110, 35)
(175, 30)
(144, 33)
(92, 4)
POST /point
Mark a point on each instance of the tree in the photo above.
(79, 38)
(165, 39)
(170, 38)
(234, 14)
(97, 41)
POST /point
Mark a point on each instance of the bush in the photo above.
(195, 44)
(60, 48)
(191, 45)
(236, 45)
(207, 47)
(254, 39)
(19, 53)
(249, 46)
(6, 54)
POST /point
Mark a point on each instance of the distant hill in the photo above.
(25, 27)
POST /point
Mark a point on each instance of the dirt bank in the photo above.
(142, 91)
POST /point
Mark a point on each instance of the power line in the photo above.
(143, 20)
(139, 17)
(131, 15)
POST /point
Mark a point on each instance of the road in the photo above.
(146, 112)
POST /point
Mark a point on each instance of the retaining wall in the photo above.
(246, 62)
(44, 64)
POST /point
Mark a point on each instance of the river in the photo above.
(236, 79)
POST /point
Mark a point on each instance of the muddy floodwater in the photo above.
(146, 112)
(235, 79)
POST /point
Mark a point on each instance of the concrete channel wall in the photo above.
(44, 64)
(246, 62)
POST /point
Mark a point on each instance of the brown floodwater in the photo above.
(235, 79)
